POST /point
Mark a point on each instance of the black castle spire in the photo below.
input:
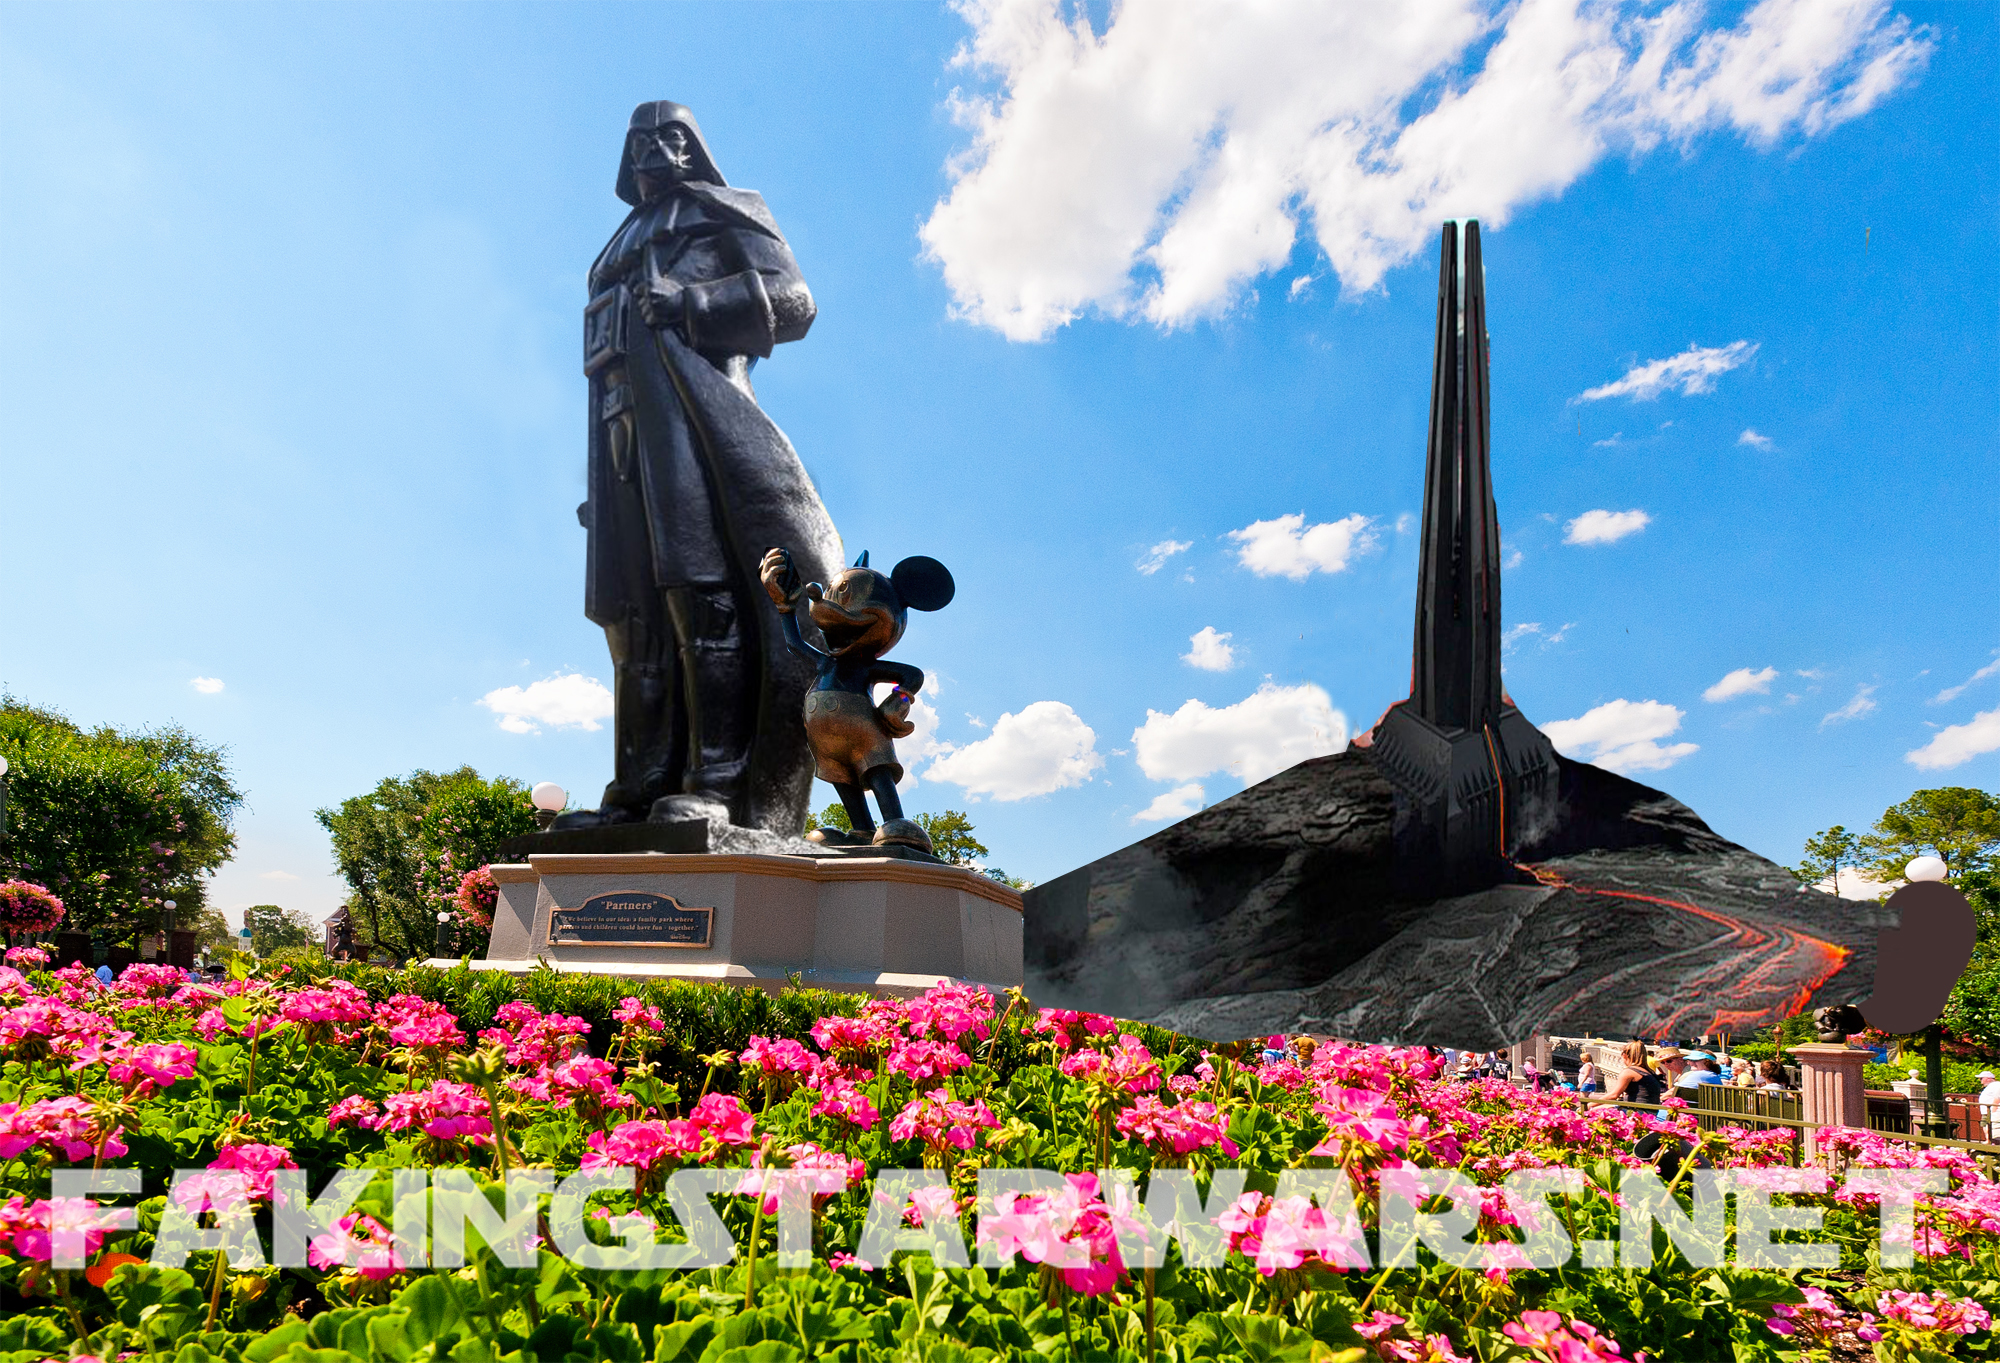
(1474, 777)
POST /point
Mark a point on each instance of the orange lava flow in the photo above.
(1827, 957)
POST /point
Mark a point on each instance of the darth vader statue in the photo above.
(690, 483)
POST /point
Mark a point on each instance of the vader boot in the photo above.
(717, 701)
(651, 739)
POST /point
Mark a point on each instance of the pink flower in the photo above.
(72, 1127)
(642, 1146)
(1071, 1229)
(939, 1120)
(826, 1173)
(723, 1116)
(1070, 1028)
(1289, 1233)
(444, 1111)
(76, 1226)
(335, 1004)
(411, 1021)
(782, 1056)
(356, 1108)
(28, 908)
(1543, 1335)
(145, 1070)
(631, 1012)
(1361, 1116)
(258, 1164)
(34, 958)
(1178, 1130)
(922, 1060)
(854, 1039)
(950, 1009)
(846, 1103)
(1128, 1067)
(359, 1242)
(1933, 1313)
(478, 896)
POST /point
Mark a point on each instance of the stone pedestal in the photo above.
(1831, 1085)
(880, 925)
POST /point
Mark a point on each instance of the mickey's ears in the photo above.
(923, 583)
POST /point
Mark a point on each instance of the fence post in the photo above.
(1832, 1087)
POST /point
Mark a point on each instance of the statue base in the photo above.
(880, 924)
(691, 836)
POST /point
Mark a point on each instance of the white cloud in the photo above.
(1210, 651)
(1612, 442)
(1177, 803)
(1857, 706)
(1605, 527)
(1288, 547)
(569, 701)
(1156, 557)
(208, 686)
(1742, 682)
(1622, 736)
(277, 875)
(1520, 634)
(1264, 733)
(1405, 523)
(1952, 693)
(1852, 884)
(1045, 747)
(1155, 169)
(1960, 743)
(1692, 371)
(1756, 441)
(1512, 561)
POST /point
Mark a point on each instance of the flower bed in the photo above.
(834, 1134)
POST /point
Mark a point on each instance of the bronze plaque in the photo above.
(631, 918)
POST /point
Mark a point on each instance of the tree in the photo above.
(951, 837)
(272, 927)
(833, 816)
(1825, 854)
(404, 846)
(115, 823)
(1958, 825)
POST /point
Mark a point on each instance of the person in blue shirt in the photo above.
(1701, 1070)
(104, 974)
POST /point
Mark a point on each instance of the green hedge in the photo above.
(701, 1019)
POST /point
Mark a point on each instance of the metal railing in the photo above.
(1711, 1118)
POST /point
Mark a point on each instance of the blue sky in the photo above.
(290, 398)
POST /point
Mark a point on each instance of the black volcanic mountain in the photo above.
(1278, 910)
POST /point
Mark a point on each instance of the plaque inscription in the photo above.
(631, 918)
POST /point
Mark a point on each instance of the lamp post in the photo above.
(549, 800)
(445, 944)
(1937, 1108)
(3, 797)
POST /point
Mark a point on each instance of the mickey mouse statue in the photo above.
(861, 616)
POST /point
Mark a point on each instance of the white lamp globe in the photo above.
(549, 796)
(1924, 868)
(444, 918)
(3, 766)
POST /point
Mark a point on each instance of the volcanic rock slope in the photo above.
(1277, 911)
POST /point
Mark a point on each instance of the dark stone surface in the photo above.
(693, 835)
(1275, 911)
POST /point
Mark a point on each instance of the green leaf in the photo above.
(434, 1311)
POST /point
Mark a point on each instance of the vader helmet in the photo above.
(658, 114)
